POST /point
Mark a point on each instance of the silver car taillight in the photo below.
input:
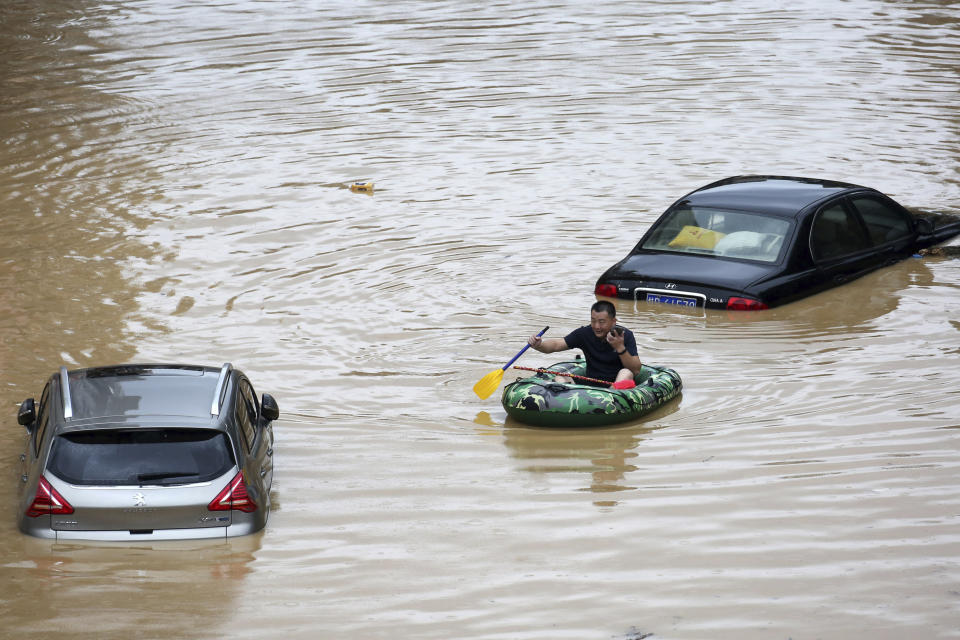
(48, 501)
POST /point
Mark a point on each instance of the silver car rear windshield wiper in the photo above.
(165, 475)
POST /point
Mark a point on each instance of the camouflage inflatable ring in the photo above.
(539, 401)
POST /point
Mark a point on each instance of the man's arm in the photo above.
(630, 361)
(627, 359)
(549, 345)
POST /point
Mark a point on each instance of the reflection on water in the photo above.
(186, 589)
(605, 455)
(174, 186)
(70, 229)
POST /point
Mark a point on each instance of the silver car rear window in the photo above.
(140, 457)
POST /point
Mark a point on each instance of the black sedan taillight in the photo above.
(745, 304)
(606, 290)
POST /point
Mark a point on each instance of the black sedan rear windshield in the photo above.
(140, 457)
(732, 234)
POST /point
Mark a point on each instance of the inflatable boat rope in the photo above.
(564, 373)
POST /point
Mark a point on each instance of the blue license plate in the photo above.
(677, 300)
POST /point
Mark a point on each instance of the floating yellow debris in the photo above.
(362, 187)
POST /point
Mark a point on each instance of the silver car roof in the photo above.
(143, 394)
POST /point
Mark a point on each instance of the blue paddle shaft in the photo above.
(507, 366)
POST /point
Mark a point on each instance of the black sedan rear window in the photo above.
(732, 234)
(140, 457)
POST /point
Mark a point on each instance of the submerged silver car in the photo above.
(150, 451)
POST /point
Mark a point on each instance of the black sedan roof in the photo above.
(776, 195)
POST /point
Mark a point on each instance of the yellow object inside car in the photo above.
(698, 237)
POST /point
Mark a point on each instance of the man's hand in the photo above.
(615, 339)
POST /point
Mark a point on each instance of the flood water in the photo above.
(173, 184)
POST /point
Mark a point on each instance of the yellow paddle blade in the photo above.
(488, 384)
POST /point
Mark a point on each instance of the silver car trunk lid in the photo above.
(145, 508)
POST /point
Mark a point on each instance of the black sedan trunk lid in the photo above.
(653, 268)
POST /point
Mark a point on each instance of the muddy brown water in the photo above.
(173, 183)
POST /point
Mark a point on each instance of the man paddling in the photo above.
(611, 351)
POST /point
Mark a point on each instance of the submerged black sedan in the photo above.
(753, 242)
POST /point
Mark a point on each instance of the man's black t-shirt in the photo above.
(602, 361)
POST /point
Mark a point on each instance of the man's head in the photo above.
(603, 317)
